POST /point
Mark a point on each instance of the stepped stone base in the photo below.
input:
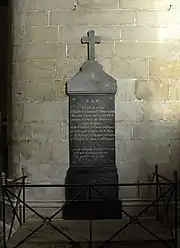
(95, 202)
(102, 230)
(93, 210)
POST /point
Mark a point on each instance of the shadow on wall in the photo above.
(4, 85)
(9, 89)
(158, 142)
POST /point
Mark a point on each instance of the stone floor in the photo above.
(48, 237)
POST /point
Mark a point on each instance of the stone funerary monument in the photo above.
(92, 141)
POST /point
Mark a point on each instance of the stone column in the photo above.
(39, 102)
(17, 12)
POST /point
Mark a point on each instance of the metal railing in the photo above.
(166, 198)
(17, 204)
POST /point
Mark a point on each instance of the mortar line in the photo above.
(49, 17)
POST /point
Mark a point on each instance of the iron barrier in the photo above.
(164, 198)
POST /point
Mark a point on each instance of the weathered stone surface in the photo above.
(41, 152)
(167, 111)
(120, 68)
(137, 33)
(89, 17)
(79, 17)
(158, 18)
(134, 150)
(175, 156)
(140, 50)
(156, 130)
(140, 170)
(45, 90)
(126, 90)
(19, 21)
(18, 112)
(71, 34)
(120, 151)
(40, 51)
(56, 5)
(48, 131)
(170, 34)
(164, 69)
(61, 152)
(112, 17)
(32, 151)
(124, 130)
(154, 111)
(129, 68)
(174, 90)
(99, 4)
(65, 69)
(156, 90)
(173, 51)
(156, 151)
(37, 18)
(51, 111)
(42, 34)
(149, 4)
(45, 173)
(76, 50)
(105, 50)
(153, 151)
(141, 68)
(129, 111)
(34, 69)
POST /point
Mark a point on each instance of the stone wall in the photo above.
(3, 84)
(140, 49)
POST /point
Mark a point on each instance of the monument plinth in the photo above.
(92, 141)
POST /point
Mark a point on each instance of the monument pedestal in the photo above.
(95, 201)
(92, 142)
(94, 210)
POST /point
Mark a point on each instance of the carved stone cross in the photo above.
(91, 40)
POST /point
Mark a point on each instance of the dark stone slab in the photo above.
(95, 201)
(92, 141)
(92, 175)
(92, 130)
(93, 210)
(91, 79)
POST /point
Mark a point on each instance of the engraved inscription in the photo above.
(92, 130)
(90, 124)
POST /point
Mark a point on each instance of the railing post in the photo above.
(90, 218)
(20, 213)
(157, 191)
(3, 181)
(138, 189)
(176, 207)
(24, 196)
